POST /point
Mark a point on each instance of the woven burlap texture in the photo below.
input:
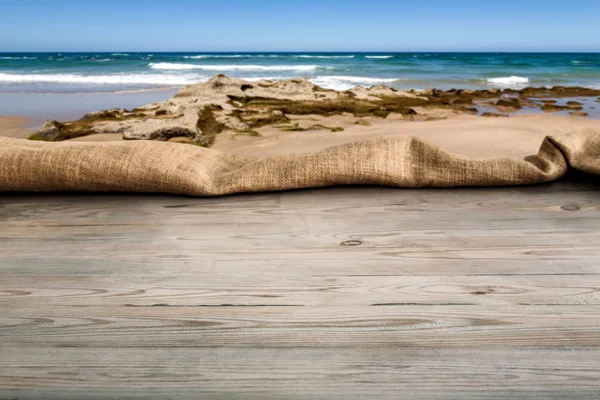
(158, 167)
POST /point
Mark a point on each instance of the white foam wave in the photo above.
(129, 79)
(173, 66)
(331, 57)
(510, 80)
(214, 56)
(379, 57)
(348, 82)
(120, 54)
(18, 58)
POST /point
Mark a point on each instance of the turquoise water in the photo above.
(123, 72)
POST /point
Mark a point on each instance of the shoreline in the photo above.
(70, 106)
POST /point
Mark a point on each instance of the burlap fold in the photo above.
(146, 166)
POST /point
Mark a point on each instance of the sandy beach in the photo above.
(466, 135)
(244, 129)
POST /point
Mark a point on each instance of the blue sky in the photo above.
(305, 25)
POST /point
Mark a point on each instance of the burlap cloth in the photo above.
(146, 166)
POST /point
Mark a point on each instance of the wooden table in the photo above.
(335, 293)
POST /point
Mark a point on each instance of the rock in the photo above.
(113, 113)
(426, 92)
(494, 115)
(509, 102)
(495, 91)
(553, 108)
(574, 105)
(164, 134)
(579, 114)
(50, 130)
(598, 100)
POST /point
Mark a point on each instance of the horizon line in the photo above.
(307, 51)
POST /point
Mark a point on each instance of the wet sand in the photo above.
(15, 127)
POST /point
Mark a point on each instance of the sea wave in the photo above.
(348, 82)
(214, 56)
(125, 79)
(331, 57)
(380, 57)
(509, 80)
(174, 66)
(270, 56)
(120, 54)
(18, 58)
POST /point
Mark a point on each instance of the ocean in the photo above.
(66, 86)
(127, 72)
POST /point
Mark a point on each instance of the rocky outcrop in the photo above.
(550, 108)
(579, 114)
(509, 102)
(49, 131)
(198, 113)
(494, 115)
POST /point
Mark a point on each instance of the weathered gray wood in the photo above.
(335, 293)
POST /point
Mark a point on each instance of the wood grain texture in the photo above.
(335, 294)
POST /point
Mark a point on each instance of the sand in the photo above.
(14, 127)
(466, 135)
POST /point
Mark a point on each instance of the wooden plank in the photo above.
(334, 293)
(293, 373)
(220, 288)
(297, 326)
